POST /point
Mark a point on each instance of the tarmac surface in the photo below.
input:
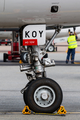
(12, 81)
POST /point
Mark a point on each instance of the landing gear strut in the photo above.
(41, 94)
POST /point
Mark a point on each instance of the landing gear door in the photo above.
(34, 35)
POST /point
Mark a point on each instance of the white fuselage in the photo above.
(16, 13)
(6, 35)
(63, 32)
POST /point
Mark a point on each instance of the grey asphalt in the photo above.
(12, 81)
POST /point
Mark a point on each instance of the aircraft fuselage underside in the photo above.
(22, 12)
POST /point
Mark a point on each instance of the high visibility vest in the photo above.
(72, 42)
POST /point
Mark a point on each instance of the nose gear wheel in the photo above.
(43, 95)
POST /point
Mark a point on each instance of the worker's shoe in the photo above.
(67, 61)
(72, 62)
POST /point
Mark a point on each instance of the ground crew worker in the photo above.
(72, 44)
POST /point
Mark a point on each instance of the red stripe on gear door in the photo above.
(30, 42)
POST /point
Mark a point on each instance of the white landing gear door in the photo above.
(34, 35)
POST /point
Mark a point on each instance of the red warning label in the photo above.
(27, 42)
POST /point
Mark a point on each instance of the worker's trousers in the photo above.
(72, 52)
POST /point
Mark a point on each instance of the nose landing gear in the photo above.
(41, 94)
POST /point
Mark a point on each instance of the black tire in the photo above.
(51, 48)
(24, 94)
(5, 56)
(51, 88)
(24, 57)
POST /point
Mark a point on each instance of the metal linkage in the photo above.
(36, 60)
(57, 30)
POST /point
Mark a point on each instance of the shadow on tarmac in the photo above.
(63, 63)
(57, 63)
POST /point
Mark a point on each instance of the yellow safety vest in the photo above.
(72, 42)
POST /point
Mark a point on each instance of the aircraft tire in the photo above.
(56, 48)
(43, 95)
(24, 57)
(24, 93)
(5, 56)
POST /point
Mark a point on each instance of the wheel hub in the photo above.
(51, 48)
(44, 96)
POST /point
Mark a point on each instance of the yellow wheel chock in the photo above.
(26, 110)
(20, 61)
(61, 111)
